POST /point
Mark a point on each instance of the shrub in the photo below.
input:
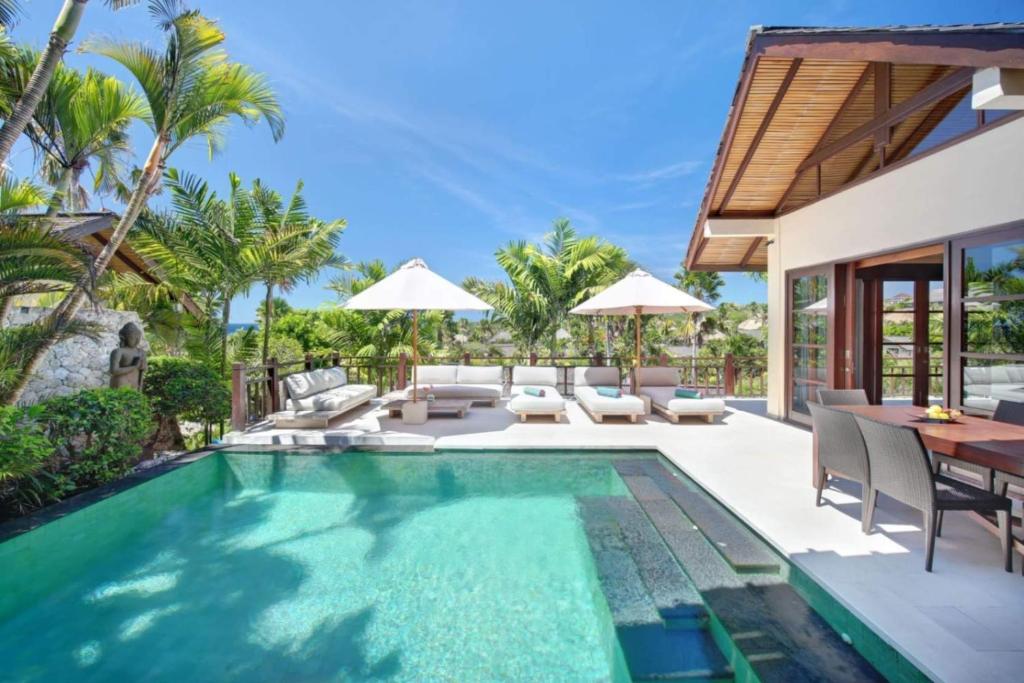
(25, 452)
(98, 433)
(185, 389)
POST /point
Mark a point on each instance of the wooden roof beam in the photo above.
(854, 92)
(929, 95)
(751, 251)
(780, 94)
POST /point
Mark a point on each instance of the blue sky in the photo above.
(446, 129)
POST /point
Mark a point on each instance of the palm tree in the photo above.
(706, 286)
(81, 119)
(191, 90)
(292, 246)
(61, 35)
(203, 247)
(34, 259)
(546, 280)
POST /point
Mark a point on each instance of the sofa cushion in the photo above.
(1000, 374)
(659, 377)
(534, 375)
(338, 398)
(482, 392)
(480, 374)
(627, 404)
(595, 377)
(552, 401)
(436, 374)
(303, 384)
(976, 376)
(666, 398)
(1016, 373)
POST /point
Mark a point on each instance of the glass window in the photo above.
(994, 269)
(809, 340)
(986, 382)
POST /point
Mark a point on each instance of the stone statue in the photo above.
(128, 361)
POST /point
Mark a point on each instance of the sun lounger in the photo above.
(541, 378)
(660, 384)
(586, 382)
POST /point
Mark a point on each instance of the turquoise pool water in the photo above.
(264, 567)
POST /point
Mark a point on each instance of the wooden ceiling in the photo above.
(816, 110)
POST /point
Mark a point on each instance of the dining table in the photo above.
(977, 440)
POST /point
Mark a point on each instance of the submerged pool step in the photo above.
(743, 550)
(771, 626)
(626, 560)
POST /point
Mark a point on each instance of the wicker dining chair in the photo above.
(842, 397)
(899, 468)
(841, 452)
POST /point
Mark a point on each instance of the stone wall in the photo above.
(77, 363)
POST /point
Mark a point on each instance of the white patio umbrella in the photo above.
(640, 293)
(414, 287)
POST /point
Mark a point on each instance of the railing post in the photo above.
(663, 360)
(599, 359)
(239, 398)
(465, 359)
(533, 358)
(308, 362)
(273, 386)
(403, 360)
(335, 359)
(730, 375)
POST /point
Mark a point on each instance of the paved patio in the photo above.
(963, 622)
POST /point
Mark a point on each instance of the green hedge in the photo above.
(69, 443)
(186, 389)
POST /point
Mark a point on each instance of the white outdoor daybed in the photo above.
(478, 383)
(542, 378)
(314, 398)
(660, 384)
(585, 383)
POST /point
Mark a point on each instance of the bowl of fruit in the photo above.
(939, 415)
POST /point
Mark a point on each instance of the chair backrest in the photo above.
(659, 377)
(899, 463)
(842, 397)
(840, 444)
(595, 377)
(535, 375)
(1009, 411)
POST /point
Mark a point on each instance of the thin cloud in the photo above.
(670, 172)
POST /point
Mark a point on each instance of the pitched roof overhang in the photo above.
(816, 109)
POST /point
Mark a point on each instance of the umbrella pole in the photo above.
(415, 351)
(636, 365)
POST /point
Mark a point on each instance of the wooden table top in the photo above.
(998, 445)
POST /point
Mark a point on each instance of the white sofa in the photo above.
(523, 404)
(325, 391)
(984, 388)
(585, 383)
(477, 383)
(660, 384)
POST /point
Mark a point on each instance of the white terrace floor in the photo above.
(964, 622)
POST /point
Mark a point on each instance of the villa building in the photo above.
(876, 175)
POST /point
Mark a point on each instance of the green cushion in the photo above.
(533, 391)
(687, 393)
(610, 392)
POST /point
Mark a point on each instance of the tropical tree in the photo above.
(203, 247)
(706, 286)
(60, 36)
(191, 90)
(292, 247)
(34, 260)
(81, 121)
(546, 280)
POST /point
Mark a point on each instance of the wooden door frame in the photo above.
(830, 271)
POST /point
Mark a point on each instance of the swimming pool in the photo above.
(453, 566)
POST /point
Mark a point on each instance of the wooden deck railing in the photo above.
(256, 389)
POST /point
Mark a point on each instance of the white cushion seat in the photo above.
(585, 384)
(323, 391)
(336, 399)
(660, 384)
(467, 382)
(524, 404)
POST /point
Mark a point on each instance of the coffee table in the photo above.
(444, 406)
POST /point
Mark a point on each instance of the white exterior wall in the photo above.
(976, 184)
